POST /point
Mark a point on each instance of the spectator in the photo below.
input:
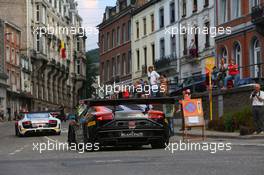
(193, 49)
(146, 89)
(214, 76)
(222, 72)
(186, 96)
(164, 84)
(257, 98)
(233, 74)
(126, 93)
(153, 78)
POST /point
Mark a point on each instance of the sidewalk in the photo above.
(217, 134)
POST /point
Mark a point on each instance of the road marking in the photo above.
(51, 139)
(18, 150)
(107, 161)
(247, 144)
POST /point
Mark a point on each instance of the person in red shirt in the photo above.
(233, 74)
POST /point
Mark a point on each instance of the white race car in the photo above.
(37, 122)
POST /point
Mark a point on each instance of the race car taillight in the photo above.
(26, 124)
(52, 123)
(104, 117)
(155, 116)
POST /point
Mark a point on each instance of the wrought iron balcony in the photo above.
(166, 62)
(257, 15)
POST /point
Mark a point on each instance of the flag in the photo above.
(63, 50)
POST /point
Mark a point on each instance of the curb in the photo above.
(249, 137)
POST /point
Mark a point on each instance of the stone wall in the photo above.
(226, 101)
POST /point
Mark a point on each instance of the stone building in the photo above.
(53, 62)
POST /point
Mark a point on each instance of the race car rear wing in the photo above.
(116, 102)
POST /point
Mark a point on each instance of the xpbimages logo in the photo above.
(116, 88)
(63, 146)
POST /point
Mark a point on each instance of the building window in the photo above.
(138, 60)
(194, 6)
(107, 41)
(17, 59)
(124, 64)
(145, 26)
(113, 67)
(172, 12)
(173, 45)
(206, 3)
(38, 42)
(152, 22)
(153, 52)
(102, 71)
(137, 28)
(161, 17)
(55, 4)
(118, 36)
(107, 70)
(145, 57)
(128, 30)
(162, 48)
(256, 58)
(7, 54)
(118, 65)
(207, 35)
(13, 56)
(223, 54)
(78, 67)
(43, 15)
(185, 44)
(236, 8)
(124, 32)
(237, 54)
(78, 44)
(113, 38)
(183, 8)
(37, 13)
(129, 62)
(223, 11)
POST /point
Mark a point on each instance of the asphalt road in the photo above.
(19, 156)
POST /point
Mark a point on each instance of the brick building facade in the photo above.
(115, 44)
(245, 44)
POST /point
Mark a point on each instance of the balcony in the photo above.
(166, 63)
(257, 17)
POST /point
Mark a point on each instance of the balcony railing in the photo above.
(166, 62)
(257, 15)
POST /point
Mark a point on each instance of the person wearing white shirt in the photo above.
(257, 98)
(153, 79)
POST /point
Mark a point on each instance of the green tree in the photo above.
(91, 73)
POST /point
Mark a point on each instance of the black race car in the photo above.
(129, 124)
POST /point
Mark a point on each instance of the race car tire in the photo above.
(158, 145)
(58, 133)
(71, 136)
(17, 132)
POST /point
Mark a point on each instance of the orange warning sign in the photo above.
(193, 112)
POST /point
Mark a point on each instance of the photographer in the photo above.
(257, 98)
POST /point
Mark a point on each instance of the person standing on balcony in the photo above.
(193, 49)
(164, 85)
(233, 74)
(257, 98)
(153, 79)
(222, 72)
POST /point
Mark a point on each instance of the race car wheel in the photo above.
(87, 139)
(71, 136)
(158, 145)
(17, 132)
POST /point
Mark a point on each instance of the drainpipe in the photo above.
(179, 44)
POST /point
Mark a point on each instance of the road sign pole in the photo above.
(210, 96)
